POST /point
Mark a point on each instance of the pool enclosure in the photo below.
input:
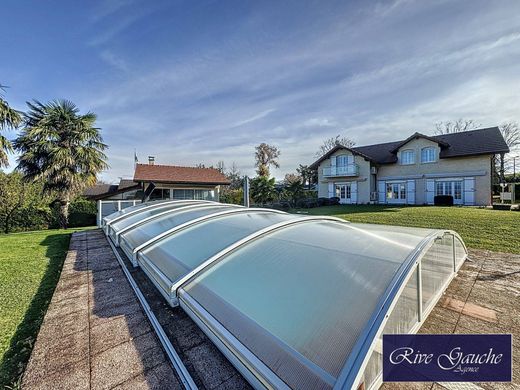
(292, 301)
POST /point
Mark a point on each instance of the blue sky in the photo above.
(201, 81)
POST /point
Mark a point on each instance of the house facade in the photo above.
(413, 171)
(176, 182)
(153, 182)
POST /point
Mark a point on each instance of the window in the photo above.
(396, 191)
(194, 194)
(458, 190)
(183, 194)
(407, 157)
(342, 161)
(439, 188)
(343, 191)
(428, 155)
(453, 188)
(160, 193)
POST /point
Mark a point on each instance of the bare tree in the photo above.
(456, 126)
(332, 142)
(265, 156)
(511, 133)
(234, 176)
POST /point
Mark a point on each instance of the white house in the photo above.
(415, 170)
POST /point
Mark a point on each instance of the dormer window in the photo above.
(408, 157)
(428, 155)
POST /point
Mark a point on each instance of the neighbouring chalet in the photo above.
(414, 170)
(152, 181)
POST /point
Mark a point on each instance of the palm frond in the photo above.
(60, 146)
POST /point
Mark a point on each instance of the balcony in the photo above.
(341, 170)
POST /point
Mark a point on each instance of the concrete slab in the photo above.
(75, 376)
(125, 361)
(159, 377)
(117, 331)
(95, 334)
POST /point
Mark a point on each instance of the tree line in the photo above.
(60, 153)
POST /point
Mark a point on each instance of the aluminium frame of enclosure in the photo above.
(350, 377)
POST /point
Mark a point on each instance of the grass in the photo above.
(479, 228)
(30, 266)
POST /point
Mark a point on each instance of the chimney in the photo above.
(151, 160)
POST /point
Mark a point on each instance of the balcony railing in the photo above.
(341, 170)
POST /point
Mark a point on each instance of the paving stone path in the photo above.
(95, 334)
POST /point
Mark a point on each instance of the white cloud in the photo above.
(350, 77)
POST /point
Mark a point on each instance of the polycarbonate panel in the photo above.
(403, 318)
(150, 229)
(128, 210)
(437, 266)
(460, 252)
(178, 254)
(145, 213)
(300, 297)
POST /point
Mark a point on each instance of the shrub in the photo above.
(443, 200)
(334, 201)
(323, 202)
(82, 212)
(232, 196)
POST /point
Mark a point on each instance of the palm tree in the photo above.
(9, 119)
(62, 148)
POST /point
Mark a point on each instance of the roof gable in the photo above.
(415, 136)
(178, 174)
(334, 150)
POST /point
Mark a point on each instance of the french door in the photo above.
(344, 193)
(453, 188)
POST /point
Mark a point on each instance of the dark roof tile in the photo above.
(466, 143)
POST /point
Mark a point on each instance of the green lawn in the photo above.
(30, 265)
(480, 228)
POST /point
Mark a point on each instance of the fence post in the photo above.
(99, 212)
(246, 191)
(118, 205)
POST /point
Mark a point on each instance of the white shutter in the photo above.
(353, 192)
(331, 190)
(430, 191)
(410, 191)
(381, 189)
(469, 191)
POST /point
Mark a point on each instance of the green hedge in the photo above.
(82, 213)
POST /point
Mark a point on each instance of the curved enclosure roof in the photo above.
(145, 232)
(127, 221)
(131, 210)
(294, 301)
